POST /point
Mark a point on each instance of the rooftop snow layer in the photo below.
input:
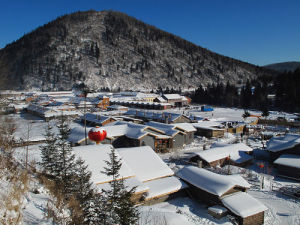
(276, 144)
(217, 209)
(240, 157)
(288, 160)
(129, 183)
(168, 129)
(187, 127)
(207, 124)
(146, 164)
(77, 134)
(95, 157)
(232, 151)
(172, 96)
(213, 183)
(164, 186)
(95, 118)
(236, 204)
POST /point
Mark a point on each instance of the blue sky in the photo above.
(255, 31)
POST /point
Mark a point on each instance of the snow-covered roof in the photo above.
(240, 157)
(161, 99)
(188, 127)
(129, 183)
(154, 116)
(213, 183)
(95, 118)
(243, 204)
(164, 186)
(146, 164)
(288, 160)
(95, 157)
(115, 130)
(217, 153)
(168, 129)
(172, 96)
(276, 144)
(132, 130)
(207, 124)
(77, 134)
(117, 107)
(217, 209)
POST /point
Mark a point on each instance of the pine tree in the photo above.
(94, 210)
(246, 114)
(49, 152)
(65, 164)
(119, 207)
(86, 196)
(265, 112)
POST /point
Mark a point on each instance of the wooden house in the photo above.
(96, 119)
(228, 154)
(225, 190)
(209, 129)
(251, 213)
(288, 166)
(103, 103)
(180, 133)
(287, 144)
(141, 168)
(175, 100)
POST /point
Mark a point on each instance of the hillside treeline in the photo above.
(280, 92)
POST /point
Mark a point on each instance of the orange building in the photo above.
(104, 103)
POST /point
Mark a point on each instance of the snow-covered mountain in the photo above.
(112, 49)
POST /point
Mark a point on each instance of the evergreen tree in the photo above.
(89, 201)
(265, 112)
(119, 207)
(246, 114)
(49, 152)
(64, 171)
(94, 210)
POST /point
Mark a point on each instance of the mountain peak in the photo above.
(111, 49)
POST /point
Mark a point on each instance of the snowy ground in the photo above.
(34, 212)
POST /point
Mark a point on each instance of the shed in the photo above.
(251, 213)
(209, 129)
(288, 165)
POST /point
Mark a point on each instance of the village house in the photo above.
(209, 129)
(228, 154)
(226, 190)
(234, 127)
(141, 168)
(181, 133)
(51, 112)
(287, 144)
(175, 100)
(288, 166)
(96, 119)
(163, 117)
